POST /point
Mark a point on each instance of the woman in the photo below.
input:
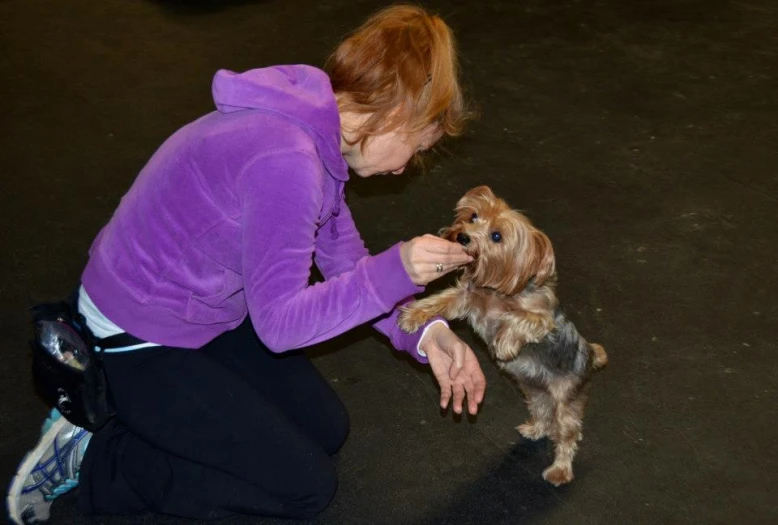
(207, 262)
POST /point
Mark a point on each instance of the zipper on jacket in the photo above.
(334, 215)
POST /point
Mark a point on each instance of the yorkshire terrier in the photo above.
(508, 295)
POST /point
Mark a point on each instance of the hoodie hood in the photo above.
(300, 93)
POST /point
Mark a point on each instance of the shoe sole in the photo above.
(28, 464)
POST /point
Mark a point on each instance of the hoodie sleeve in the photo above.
(340, 253)
(281, 197)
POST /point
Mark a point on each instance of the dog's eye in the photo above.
(473, 217)
(496, 237)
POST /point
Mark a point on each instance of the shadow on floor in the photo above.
(511, 492)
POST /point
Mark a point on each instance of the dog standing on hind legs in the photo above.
(508, 295)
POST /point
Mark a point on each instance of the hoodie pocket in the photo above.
(225, 305)
(208, 291)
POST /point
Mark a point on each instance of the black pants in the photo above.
(227, 429)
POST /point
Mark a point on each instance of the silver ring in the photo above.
(439, 267)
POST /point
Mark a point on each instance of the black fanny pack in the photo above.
(67, 364)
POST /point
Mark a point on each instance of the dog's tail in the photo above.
(600, 357)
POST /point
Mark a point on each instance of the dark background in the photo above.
(640, 135)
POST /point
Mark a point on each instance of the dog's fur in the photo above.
(507, 294)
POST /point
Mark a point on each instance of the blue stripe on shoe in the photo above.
(66, 486)
(54, 416)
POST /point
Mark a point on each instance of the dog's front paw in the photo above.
(558, 474)
(531, 431)
(412, 318)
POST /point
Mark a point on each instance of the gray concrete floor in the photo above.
(641, 136)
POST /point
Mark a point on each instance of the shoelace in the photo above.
(49, 474)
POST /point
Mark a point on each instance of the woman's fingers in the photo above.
(445, 396)
(442, 256)
(459, 397)
(444, 251)
(443, 269)
(428, 257)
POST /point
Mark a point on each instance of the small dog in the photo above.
(507, 294)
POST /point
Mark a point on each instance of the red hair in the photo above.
(399, 67)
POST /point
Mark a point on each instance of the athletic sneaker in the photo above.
(47, 471)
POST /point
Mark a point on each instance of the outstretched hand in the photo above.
(455, 368)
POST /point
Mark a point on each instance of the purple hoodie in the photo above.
(229, 215)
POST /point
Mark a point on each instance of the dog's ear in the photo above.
(543, 262)
(481, 192)
(475, 198)
(534, 261)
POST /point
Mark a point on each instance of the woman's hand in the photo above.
(428, 257)
(455, 368)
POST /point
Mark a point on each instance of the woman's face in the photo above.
(389, 153)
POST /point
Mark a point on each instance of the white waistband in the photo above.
(100, 325)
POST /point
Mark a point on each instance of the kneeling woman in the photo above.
(207, 262)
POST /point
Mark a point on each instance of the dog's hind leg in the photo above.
(565, 432)
(541, 410)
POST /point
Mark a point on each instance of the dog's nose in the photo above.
(463, 239)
